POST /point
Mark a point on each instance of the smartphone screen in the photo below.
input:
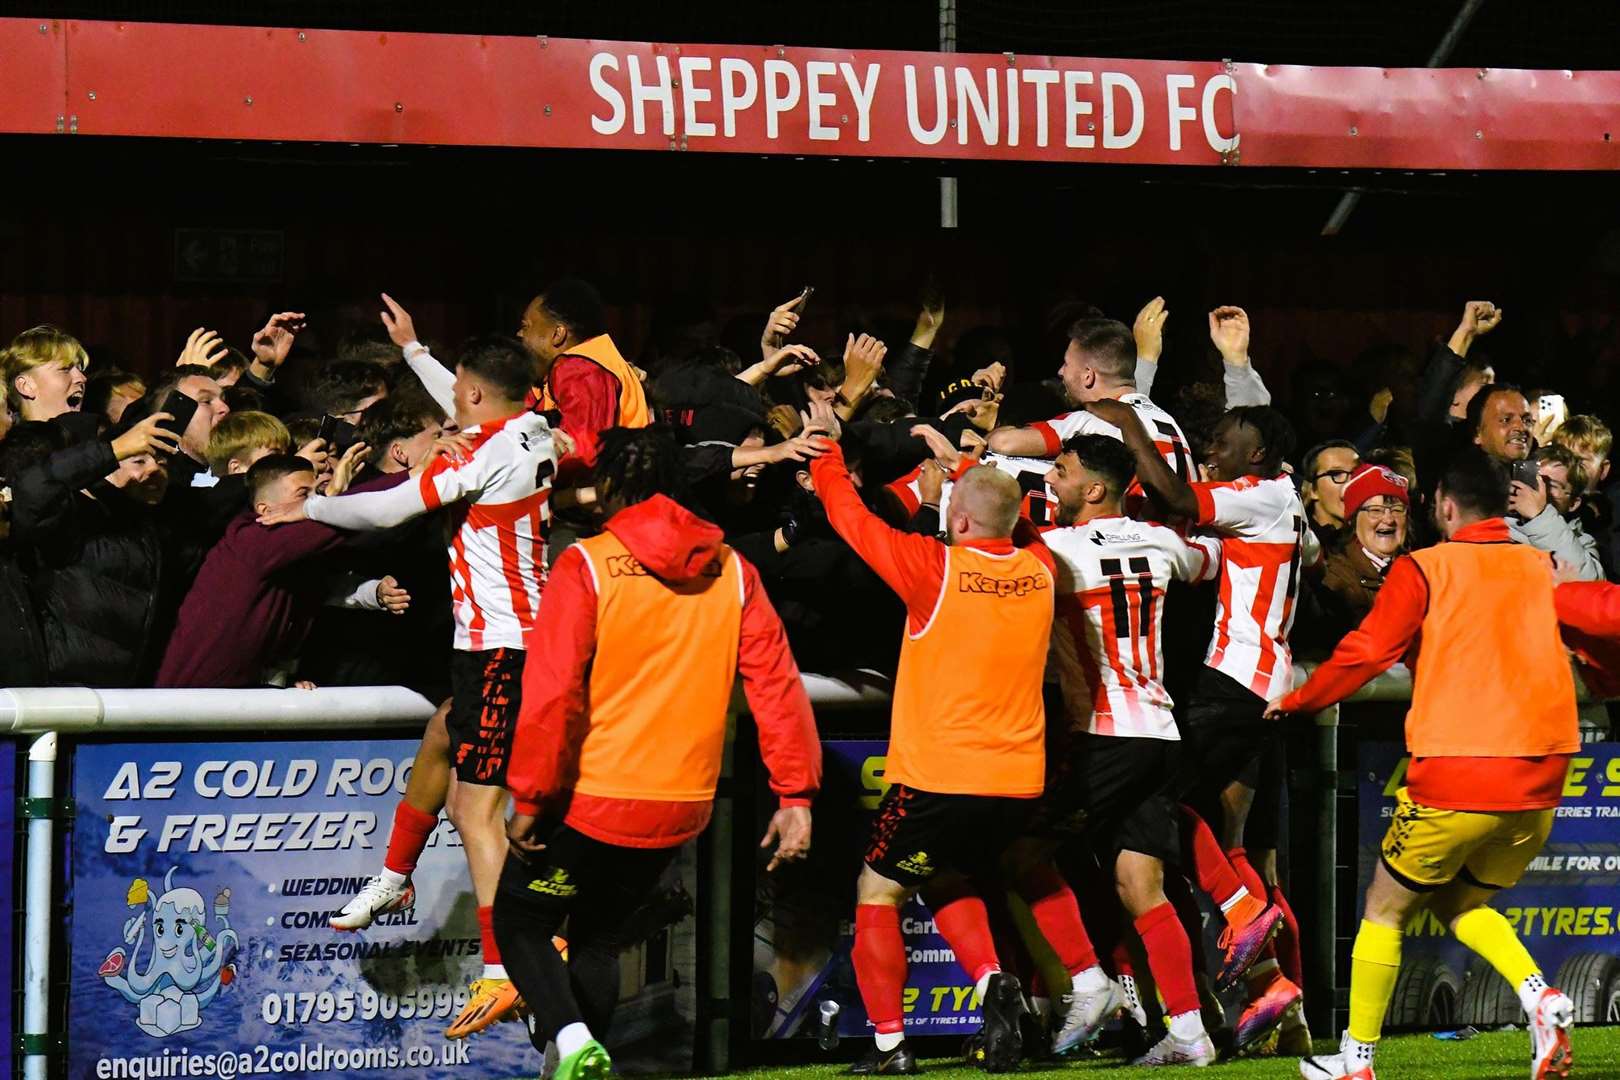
(338, 434)
(182, 408)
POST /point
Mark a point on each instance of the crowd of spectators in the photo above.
(133, 553)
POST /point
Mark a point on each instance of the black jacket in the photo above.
(96, 561)
(375, 648)
(22, 648)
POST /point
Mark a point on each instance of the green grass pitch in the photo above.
(1502, 1055)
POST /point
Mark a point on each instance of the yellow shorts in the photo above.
(1426, 848)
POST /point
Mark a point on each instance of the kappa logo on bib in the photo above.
(971, 581)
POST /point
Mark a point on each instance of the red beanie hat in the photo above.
(1369, 482)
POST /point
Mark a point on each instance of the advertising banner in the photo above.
(804, 924)
(203, 877)
(1566, 908)
(85, 77)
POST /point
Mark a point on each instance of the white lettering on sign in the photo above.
(1112, 139)
(816, 98)
(693, 95)
(926, 136)
(1043, 80)
(736, 96)
(1074, 109)
(861, 94)
(799, 102)
(608, 93)
(1179, 113)
(984, 108)
(641, 93)
(1212, 134)
(777, 101)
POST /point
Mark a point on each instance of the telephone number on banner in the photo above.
(302, 1060)
(342, 1006)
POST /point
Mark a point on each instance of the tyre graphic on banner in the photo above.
(1566, 908)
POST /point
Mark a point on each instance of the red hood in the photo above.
(666, 538)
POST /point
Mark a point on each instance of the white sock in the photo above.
(983, 984)
(1530, 992)
(1187, 1027)
(572, 1038)
(1357, 1053)
(494, 971)
(1091, 979)
(391, 878)
(1232, 901)
(888, 1040)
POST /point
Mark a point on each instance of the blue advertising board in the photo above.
(202, 880)
(801, 956)
(1566, 907)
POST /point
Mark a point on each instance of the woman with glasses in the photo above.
(1376, 506)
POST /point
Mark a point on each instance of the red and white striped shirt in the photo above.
(1106, 641)
(1266, 541)
(498, 548)
(1166, 433)
(1040, 502)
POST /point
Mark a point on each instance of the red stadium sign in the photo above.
(151, 79)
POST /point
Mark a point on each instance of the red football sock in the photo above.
(486, 935)
(880, 965)
(1169, 955)
(965, 926)
(409, 837)
(1215, 874)
(1123, 965)
(1057, 913)
(1287, 939)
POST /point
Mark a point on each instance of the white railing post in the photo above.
(38, 913)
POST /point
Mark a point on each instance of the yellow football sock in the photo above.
(1375, 960)
(1486, 932)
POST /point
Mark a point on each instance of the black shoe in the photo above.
(897, 1062)
(1003, 1009)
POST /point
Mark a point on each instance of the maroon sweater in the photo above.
(249, 606)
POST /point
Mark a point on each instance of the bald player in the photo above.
(966, 755)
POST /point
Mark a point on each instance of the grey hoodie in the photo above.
(1564, 539)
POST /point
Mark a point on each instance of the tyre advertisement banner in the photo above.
(1566, 907)
(804, 927)
(203, 877)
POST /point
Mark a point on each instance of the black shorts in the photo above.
(1109, 791)
(595, 885)
(919, 833)
(1226, 739)
(486, 691)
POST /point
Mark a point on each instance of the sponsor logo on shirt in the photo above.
(1102, 539)
(627, 566)
(971, 581)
